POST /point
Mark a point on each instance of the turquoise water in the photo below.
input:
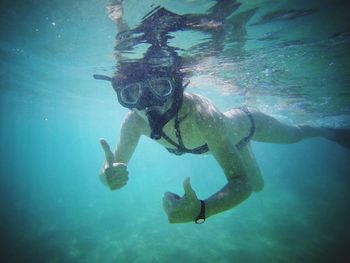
(54, 208)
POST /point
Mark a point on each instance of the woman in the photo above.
(153, 90)
(188, 123)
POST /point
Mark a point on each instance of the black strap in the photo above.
(169, 140)
(201, 217)
(180, 147)
(246, 139)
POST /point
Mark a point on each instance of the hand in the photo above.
(182, 209)
(115, 10)
(114, 174)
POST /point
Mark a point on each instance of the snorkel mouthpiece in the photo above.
(156, 123)
(102, 77)
(158, 120)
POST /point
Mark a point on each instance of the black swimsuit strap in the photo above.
(180, 147)
(246, 139)
(169, 140)
(178, 133)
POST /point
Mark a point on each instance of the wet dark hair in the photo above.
(156, 62)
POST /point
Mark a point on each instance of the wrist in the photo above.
(200, 218)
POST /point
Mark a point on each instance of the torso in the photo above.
(196, 106)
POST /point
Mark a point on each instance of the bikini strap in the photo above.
(180, 147)
(178, 133)
(246, 139)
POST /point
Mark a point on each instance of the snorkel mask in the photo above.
(142, 85)
(142, 90)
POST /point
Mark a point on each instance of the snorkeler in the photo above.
(153, 89)
(189, 123)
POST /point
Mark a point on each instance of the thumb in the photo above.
(108, 153)
(189, 192)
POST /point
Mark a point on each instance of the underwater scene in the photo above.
(286, 58)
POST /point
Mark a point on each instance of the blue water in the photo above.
(52, 114)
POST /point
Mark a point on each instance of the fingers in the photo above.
(116, 178)
(169, 201)
(116, 175)
(166, 203)
(171, 196)
(108, 153)
(118, 170)
(116, 184)
(188, 189)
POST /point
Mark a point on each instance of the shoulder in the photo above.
(205, 116)
(133, 123)
(196, 99)
(132, 118)
(201, 106)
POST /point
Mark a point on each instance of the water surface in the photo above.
(287, 58)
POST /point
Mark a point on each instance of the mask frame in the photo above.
(143, 94)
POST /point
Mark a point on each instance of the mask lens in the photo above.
(131, 94)
(161, 87)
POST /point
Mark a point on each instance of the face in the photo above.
(152, 93)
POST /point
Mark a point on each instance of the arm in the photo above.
(187, 208)
(237, 188)
(115, 174)
(115, 13)
(209, 125)
(130, 133)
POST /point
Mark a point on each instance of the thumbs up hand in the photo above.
(182, 209)
(114, 174)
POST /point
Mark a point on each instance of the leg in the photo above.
(268, 129)
(340, 136)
